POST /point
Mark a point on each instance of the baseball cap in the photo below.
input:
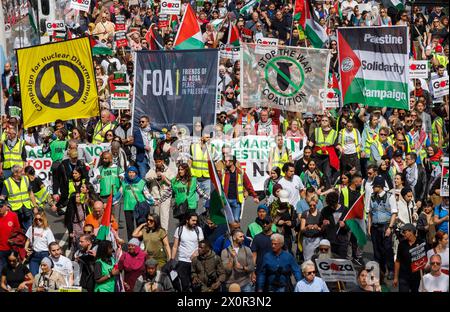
(308, 115)
(284, 196)
(378, 181)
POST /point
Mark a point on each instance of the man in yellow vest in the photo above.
(234, 182)
(20, 196)
(13, 152)
(102, 126)
(279, 154)
(382, 146)
(324, 141)
(368, 137)
(199, 164)
(349, 145)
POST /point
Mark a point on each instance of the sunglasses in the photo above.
(37, 219)
(435, 263)
(383, 134)
(87, 232)
(310, 272)
(150, 220)
(324, 249)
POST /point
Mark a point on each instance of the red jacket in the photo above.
(246, 181)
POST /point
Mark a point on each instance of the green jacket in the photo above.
(129, 199)
(181, 192)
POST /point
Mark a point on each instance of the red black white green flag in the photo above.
(373, 66)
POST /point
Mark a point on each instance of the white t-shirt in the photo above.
(432, 283)
(188, 243)
(63, 266)
(41, 238)
(293, 187)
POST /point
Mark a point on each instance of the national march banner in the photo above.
(288, 78)
(374, 65)
(444, 178)
(57, 82)
(81, 5)
(333, 270)
(176, 87)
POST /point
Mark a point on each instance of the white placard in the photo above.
(440, 87)
(333, 270)
(265, 45)
(81, 5)
(418, 69)
(55, 25)
(170, 7)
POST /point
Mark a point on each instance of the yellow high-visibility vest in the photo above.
(199, 168)
(13, 156)
(18, 196)
(240, 186)
(355, 134)
(99, 128)
(321, 141)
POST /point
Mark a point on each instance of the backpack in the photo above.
(17, 240)
(180, 231)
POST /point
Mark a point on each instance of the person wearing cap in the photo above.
(257, 227)
(404, 277)
(9, 222)
(153, 280)
(349, 145)
(132, 264)
(380, 225)
(48, 280)
(12, 152)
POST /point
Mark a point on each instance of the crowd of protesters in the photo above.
(393, 156)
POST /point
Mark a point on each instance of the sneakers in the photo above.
(358, 261)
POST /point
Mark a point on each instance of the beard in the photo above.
(326, 255)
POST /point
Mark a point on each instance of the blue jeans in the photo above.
(206, 187)
(248, 288)
(235, 208)
(143, 167)
(4, 254)
(35, 261)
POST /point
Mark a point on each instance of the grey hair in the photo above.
(306, 264)
(16, 168)
(278, 237)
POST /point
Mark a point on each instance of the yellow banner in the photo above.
(57, 81)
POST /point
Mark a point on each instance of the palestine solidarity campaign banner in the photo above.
(374, 65)
(176, 87)
(288, 78)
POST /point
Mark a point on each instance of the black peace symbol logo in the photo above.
(60, 87)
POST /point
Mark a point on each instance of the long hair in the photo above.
(43, 217)
(187, 173)
(102, 250)
(157, 221)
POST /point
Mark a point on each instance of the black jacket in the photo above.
(420, 190)
(331, 229)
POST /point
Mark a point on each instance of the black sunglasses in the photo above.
(310, 272)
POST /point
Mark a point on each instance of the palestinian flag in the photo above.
(398, 4)
(189, 35)
(153, 39)
(174, 21)
(355, 221)
(299, 12)
(337, 7)
(248, 6)
(373, 66)
(219, 210)
(217, 23)
(105, 227)
(233, 35)
(313, 30)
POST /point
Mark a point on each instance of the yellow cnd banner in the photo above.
(57, 81)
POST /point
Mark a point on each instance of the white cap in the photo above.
(325, 242)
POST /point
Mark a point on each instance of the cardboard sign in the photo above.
(266, 45)
(333, 270)
(418, 69)
(229, 52)
(81, 5)
(440, 87)
(121, 39)
(55, 25)
(163, 21)
(170, 7)
(247, 34)
(329, 97)
(120, 23)
(120, 98)
(418, 257)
